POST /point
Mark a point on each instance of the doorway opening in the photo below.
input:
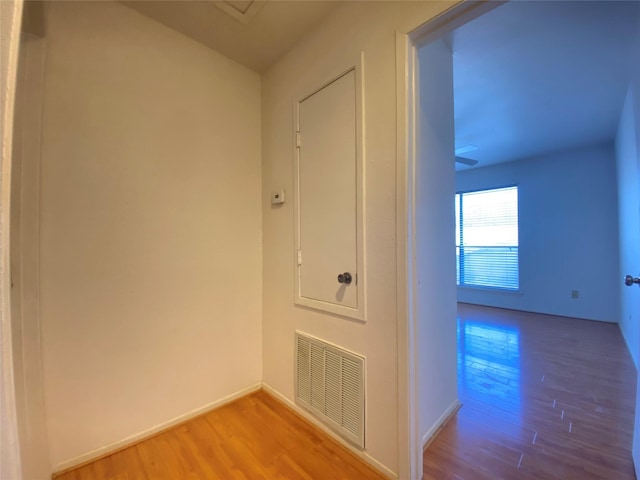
(565, 176)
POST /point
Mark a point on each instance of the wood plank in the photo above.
(542, 397)
(254, 437)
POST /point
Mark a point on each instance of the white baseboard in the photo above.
(362, 454)
(150, 432)
(440, 423)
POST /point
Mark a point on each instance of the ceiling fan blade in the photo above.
(466, 161)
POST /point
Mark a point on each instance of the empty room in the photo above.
(546, 329)
(230, 231)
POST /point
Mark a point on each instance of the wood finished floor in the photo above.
(255, 437)
(543, 397)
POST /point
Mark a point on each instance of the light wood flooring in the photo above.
(255, 437)
(544, 397)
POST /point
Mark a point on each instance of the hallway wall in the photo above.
(435, 240)
(353, 29)
(150, 228)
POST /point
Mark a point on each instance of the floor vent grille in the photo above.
(330, 384)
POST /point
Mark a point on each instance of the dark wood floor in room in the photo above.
(543, 397)
(255, 437)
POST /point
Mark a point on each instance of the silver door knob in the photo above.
(629, 280)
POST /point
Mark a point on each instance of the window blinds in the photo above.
(487, 238)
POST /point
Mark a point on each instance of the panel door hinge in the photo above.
(298, 139)
(299, 257)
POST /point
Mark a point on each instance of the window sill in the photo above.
(490, 290)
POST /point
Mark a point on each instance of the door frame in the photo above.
(410, 448)
(10, 463)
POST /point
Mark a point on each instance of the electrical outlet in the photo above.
(575, 294)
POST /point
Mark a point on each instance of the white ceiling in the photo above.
(253, 33)
(532, 78)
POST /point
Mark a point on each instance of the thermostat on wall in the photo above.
(277, 198)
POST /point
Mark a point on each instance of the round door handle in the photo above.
(629, 280)
(345, 278)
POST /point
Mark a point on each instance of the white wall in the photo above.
(355, 27)
(150, 228)
(628, 161)
(627, 149)
(435, 240)
(568, 240)
(10, 17)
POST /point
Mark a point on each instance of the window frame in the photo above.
(458, 231)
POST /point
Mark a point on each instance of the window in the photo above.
(487, 238)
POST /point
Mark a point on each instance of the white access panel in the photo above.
(329, 207)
